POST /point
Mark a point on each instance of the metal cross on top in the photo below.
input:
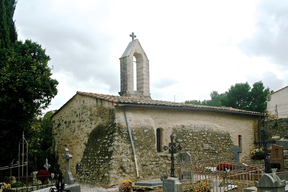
(264, 143)
(172, 149)
(133, 36)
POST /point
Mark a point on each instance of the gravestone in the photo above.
(47, 165)
(185, 174)
(270, 182)
(284, 144)
(172, 184)
(277, 157)
(68, 178)
(236, 150)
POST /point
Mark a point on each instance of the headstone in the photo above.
(236, 150)
(270, 182)
(47, 165)
(185, 174)
(68, 178)
(277, 157)
(172, 184)
(283, 143)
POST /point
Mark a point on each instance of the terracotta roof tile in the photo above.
(150, 102)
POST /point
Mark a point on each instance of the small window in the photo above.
(240, 140)
(159, 139)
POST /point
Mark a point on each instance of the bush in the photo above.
(6, 187)
(125, 186)
(257, 154)
(202, 187)
(17, 184)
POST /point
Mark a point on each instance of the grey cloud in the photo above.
(270, 80)
(73, 47)
(270, 39)
(164, 83)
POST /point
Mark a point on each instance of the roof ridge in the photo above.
(146, 102)
(278, 90)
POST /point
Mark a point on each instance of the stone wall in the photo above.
(167, 119)
(97, 161)
(95, 131)
(73, 123)
(204, 142)
(108, 157)
(275, 127)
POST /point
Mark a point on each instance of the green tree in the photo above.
(26, 86)
(195, 102)
(238, 96)
(8, 34)
(41, 143)
(216, 99)
(258, 95)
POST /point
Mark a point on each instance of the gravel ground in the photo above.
(91, 188)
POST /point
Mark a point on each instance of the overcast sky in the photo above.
(194, 47)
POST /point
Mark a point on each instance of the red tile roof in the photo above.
(141, 102)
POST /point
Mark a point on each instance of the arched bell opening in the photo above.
(138, 75)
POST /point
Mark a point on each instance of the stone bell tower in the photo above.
(134, 49)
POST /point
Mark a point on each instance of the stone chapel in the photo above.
(113, 138)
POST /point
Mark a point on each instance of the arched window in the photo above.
(240, 140)
(159, 139)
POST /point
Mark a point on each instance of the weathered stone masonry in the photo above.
(275, 127)
(108, 156)
(94, 129)
(73, 125)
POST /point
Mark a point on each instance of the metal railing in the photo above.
(218, 175)
(30, 183)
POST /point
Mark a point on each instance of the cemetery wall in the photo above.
(73, 123)
(275, 127)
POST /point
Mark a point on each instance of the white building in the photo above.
(277, 103)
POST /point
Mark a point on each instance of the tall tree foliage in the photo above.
(41, 143)
(8, 34)
(239, 96)
(26, 86)
(258, 95)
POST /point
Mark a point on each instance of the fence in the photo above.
(217, 175)
(30, 183)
